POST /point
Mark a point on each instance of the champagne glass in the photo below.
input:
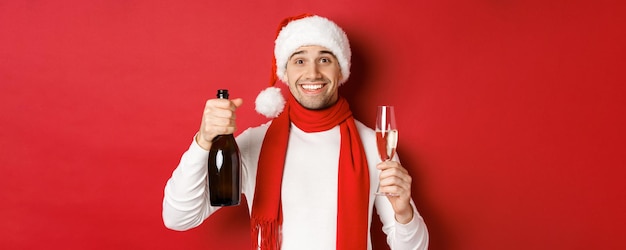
(386, 135)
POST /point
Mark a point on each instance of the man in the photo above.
(311, 174)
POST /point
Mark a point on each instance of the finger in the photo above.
(219, 113)
(401, 181)
(223, 108)
(232, 104)
(383, 165)
(217, 121)
(237, 102)
(393, 171)
(388, 164)
(395, 185)
(395, 178)
(218, 103)
(396, 192)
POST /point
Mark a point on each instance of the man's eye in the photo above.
(324, 60)
(299, 61)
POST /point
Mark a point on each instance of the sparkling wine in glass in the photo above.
(386, 134)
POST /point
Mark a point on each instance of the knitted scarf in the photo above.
(353, 186)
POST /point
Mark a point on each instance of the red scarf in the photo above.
(353, 189)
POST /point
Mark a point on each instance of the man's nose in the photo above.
(312, 71)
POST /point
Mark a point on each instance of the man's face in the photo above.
(313, 74)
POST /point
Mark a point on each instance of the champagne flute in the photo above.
(386, 135)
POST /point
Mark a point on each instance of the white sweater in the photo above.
(309, 190)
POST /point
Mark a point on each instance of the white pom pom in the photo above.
(270, 102)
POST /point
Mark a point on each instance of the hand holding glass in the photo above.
(386, 135)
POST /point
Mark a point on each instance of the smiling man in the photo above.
(310, 175)
(313, 74)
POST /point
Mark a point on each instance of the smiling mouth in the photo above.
(312, 87)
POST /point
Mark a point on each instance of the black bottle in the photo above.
(224, 168)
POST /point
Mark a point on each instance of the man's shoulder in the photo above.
(361, 125)
(256, 131)
(363, 129)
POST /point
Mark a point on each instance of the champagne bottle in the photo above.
(224, 168)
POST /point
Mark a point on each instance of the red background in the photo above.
(511, 114)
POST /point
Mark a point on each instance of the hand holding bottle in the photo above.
(224, 160)
(218, 118)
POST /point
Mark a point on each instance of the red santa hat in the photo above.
(293, 33)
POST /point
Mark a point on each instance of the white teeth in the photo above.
(312, 87)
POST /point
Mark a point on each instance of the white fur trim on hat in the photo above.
(313, 30)
(270, 102)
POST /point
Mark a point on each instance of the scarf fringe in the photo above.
(270, 233)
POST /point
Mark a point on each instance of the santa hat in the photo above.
(293, 33)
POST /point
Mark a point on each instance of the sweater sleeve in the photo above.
(413, 235)
(186, 196)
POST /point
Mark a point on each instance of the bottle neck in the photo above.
(222, 94)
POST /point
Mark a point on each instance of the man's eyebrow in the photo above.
(327, 52)
(304, 51)
(297, 53)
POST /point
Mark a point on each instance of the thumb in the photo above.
(237, 102)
